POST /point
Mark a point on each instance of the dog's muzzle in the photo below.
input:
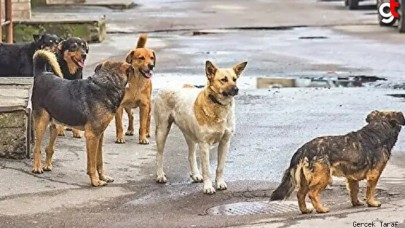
(231, 92)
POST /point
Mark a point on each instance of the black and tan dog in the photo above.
(86, 104)
(358, 155)
(16, 59)
(71, 55)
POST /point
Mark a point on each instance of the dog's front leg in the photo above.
(92, 143)
(119, 130)
(205, 165)
(372, 179)
(143, 117)
(223, 149)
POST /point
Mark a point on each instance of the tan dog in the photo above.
(138, 94)
(205, 117)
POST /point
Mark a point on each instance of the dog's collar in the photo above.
(215, 100)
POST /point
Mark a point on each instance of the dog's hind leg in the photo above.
(100, 163)
(353, 187)
(130, 114)
(223, 149)
(163, 125)
(303, 190)
(192, 160)
(50, 149)
(205, 166)
(41, 120)
(119, 130)
(317, 179)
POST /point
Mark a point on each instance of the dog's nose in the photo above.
(84, 55)
(235, 90)
(151, 66)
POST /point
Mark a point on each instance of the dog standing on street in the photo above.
(138, 94)
(356, 156)
(205, 117)
(85, 104)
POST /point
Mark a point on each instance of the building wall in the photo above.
(21, 9)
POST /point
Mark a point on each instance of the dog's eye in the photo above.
(152, 58)
(141, 58)
(224, 80)
(234, 79)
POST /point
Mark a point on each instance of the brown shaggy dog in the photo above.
(357, 155)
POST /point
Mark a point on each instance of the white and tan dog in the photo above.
(205, 117)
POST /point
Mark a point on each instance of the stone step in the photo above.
(15, 121)
(91, 30)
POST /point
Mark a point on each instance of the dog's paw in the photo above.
(161, 178)
(48, 167)
(209, 190)
(306, 211)
(98, 183)
(61, 132)
(106, 178)
(221, 185)
(37, 169)
(129, 133)
(357, 203)
(197, 178)
(144, 141)
(322, 210)
(120, 140)
(374, 203)
(76, 134)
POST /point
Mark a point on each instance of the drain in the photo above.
(254, 208)
(312, 37)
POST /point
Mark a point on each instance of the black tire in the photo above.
(401, 15)
(380, 18)
(353, 4)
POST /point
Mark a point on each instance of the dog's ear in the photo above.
(36, 37)
(86, 46)
(210, 70)
(98, 67)
(371, 116)
(130, 71)
(239, 68)
(154, 58)
(397, 118)
(130, 57)
(60, 45)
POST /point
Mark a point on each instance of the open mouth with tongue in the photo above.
(146, 73)
(79, 63)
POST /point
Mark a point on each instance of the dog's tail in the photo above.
(42, 59)
(292, 176)
(142, 41)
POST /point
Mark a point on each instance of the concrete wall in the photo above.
(21, 9)
(64, 1)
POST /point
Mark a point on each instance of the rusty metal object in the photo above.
(8, 20)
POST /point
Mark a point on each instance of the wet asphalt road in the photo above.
(271, 123)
